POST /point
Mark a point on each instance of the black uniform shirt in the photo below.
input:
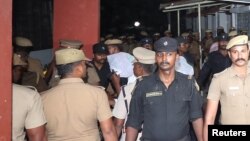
(216, 63)
(164, 112)
(104, 74)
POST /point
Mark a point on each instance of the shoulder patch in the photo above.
(220, 73)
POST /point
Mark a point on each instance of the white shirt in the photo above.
(120, 110)
(182, 66)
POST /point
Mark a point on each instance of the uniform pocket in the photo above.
(153, 100)
(182, 97)
(233, 96)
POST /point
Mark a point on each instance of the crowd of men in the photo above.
(148, 90)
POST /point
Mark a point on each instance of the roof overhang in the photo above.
(190, 4)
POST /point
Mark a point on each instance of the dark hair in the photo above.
(149, 68)
(65, 69)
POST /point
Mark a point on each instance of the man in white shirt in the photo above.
(143, 66)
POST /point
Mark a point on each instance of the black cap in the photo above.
(146, 41)
(166, 44)
(223, 37)
(100, 48)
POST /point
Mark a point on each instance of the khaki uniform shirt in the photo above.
(72, 109)
(27, 111)
(208, 44)
(35, 66)
(34, 79)
(92, 76)
(234, 95)
(194, 50)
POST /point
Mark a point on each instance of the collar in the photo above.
(70, 80)
(176, 77)
(233, 73)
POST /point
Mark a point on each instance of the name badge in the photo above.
(152, 94)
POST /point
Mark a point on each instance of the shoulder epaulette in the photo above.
(220, 73)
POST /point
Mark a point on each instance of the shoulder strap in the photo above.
(125, 100)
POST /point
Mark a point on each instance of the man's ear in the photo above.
(78, 68)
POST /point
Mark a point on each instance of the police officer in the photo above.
(147, 43)
(22, 76)
(100, 64)
(22, 47)
(207, 41)
(165, 101)
(28, 115)
(73, 108)
(231, 88)
(143, 66)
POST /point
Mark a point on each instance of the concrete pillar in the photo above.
(5, 65)
(78, 20)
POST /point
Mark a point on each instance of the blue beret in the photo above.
(166, 44)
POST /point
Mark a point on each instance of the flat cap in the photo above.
(23, 42)
(113, 42)
(232, 33)
(144, 33)
(156, 34)
(143, 55)
(238, 40)
(208, 30)
(18, 61)
(100, 48)
(166, 44)
(167, 31)
(223, 37)
(131, 37)
(70, 43)
(185, 34)
(69, 55)
(195, 33)
(146, 41)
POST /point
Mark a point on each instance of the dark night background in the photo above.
(33, 19)
(118, 16)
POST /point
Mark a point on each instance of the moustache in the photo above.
(164, 63)
(240, 59)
